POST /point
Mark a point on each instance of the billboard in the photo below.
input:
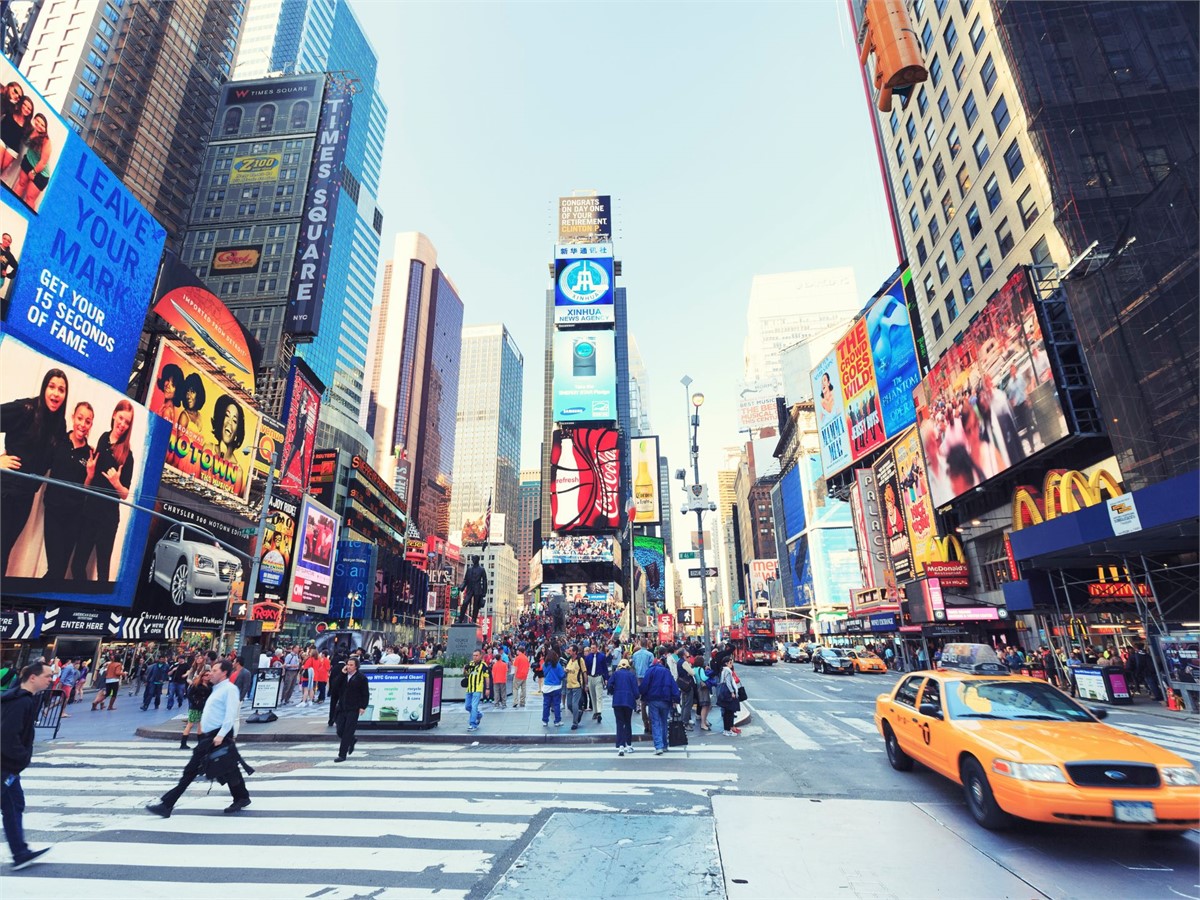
(860, 394)
(312, 573)
(255, 168)
(237, 260)
(763, 575)
(894, 355)
(580, 251)
(60, 543)
(185, 571)
(210, 426)
(990, 401)
(581, 548)
(89, 251)
(301, 407)
(585, 219)
(270, 442)
(895, 527)
(585, 475)
(916, 505)
(643, 453)
(585, 376)
(320, 211)
(867, 511)
(831, 419)
(198, 315)
(583, 291)
(277, 549)
(352, 593)
(650, 555)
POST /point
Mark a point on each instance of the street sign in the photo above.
(706, 572)
(687, 554)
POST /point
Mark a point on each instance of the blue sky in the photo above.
(734, 139)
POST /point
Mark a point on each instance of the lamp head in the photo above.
(697, 399)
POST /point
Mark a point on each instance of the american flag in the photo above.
(487, 521)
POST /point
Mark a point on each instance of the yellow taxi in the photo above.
(1023, 749)
(866, 662)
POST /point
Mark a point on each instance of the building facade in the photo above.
(528, 529)
(487, 440)
(502, 602)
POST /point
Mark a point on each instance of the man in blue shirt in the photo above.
(659, 691)
(641, 659)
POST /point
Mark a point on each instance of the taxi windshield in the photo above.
(1011, 700)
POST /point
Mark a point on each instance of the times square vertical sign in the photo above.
(320, 212)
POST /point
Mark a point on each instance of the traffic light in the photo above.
(888, 33)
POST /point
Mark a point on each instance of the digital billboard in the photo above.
(585, 219)
(581, 548)
(650, 555)
(831, 419)
(237, 260)
(312, 572)
(277, 549)
(301, 407)
(320, 211)
(894, 355)
(643, 452)
(270, 442)
(210, 425)
(916, 505)
(56, 421)
(352, 594)
(895, 528)
(583, 291)
(196, 313)
(990, 401)
(864, 418)
(585, 376)
(89, 251)
(585, 473)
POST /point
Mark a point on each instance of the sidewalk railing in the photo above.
(51, 704)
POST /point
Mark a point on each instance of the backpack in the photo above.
(685, 679)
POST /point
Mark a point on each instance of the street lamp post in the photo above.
(697, 400)
(252, 582)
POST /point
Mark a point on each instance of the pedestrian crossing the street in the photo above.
(396, 821)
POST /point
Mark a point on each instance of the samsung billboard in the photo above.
(585, 376)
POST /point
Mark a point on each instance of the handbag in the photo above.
(742, 695)
(221, 762)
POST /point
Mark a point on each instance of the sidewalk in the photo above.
(499, 726)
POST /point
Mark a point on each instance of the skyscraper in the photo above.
(284, 37)
(413, 400)
(530, 493)
(487, 440)
(140, 82)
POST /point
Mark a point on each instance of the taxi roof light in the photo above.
(977, 659)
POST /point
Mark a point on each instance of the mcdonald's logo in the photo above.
(1063, 491)
(947, 549)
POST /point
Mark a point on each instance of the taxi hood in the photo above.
(1038, 741)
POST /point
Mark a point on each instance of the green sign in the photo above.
(454, 593)
(687, 554)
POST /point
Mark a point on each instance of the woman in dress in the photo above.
(170, 385)
(69, 464)
(198, 692)
(32, 428)
(193, 402)
(35, 165)
(13, 119)
(110, 473)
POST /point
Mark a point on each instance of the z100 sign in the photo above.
(585, 472)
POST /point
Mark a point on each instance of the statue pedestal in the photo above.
(463, 640)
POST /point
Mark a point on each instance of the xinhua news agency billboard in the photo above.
(79, 254)
(583, 291)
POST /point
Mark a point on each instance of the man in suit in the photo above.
(353, 702)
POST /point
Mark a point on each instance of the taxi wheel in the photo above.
(899, 760)
(980, 800)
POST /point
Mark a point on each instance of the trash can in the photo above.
(403, 697)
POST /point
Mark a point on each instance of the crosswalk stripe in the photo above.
(862, 726)
(202, 889)
(787, 732)
(825, 729)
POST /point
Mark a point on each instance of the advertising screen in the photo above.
(585, 219)
(312, 573)
(89, 251)
(864, 418)
(186, 572)
(583, 291)
(915, 503)
(895, 528)
(650, 555)
(763, 574)
(210, 426)
(585, 473)
(395, 696)
(278, 547)
(270, 442)
(585, 376)
(352, 594)
(831, 419)
(894, 356)
(990, 401)
(580, 548)
(644, 464)
(59, 543)
(198, 315)
(301, 407)
(237, 260)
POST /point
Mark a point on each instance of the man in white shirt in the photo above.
(218, 723)
(390, 658)
(291, 671)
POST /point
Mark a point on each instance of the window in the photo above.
(918, 160)
(926, 197)
(938, 328)
(964, 180)
(1000, 117)
(922, 253)
(928, 285)
(918, 9)
(100, 44)
(247, 209)
(940, 6)
(991, 190)
(931, 132)
(94, 59)
(78, 109)
(89, 76)
(1176, 58)
(964, 5)
(977, 34)
(935, 71)
(970, 110)
(111, 14)
(906, 183)
(84, 93)
(1013, 160)
(1027, 207)
(954, 142)
(250, 193)
(974, 226)
(1095, 170)
(910, 128)
(901, 155)
(1158, 164)
(982, 153)
(983, 259)
(894, 121)
(943, 268)
(948, 206)
(951, 36)
(1004, 238)
(267, 284)
(923, 101)
(281, 206)
(968, 287)
(914, 219)
(233, 120)
(959, 71)
(939, 171)
(935, 227)
(927, 36)
(299, 117)
(944, 105)
(988, 74)
(1040, 255)
(956, 246)
(266, 117)
(105, 28)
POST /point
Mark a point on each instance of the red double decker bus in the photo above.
(754, 641)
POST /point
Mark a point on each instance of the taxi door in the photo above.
(902, 713)
(932, 731)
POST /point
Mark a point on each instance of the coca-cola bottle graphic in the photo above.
(566, 485)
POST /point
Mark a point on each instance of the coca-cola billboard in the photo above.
(585, 477)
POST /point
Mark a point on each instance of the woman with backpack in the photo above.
(727, 698)
(554, 675)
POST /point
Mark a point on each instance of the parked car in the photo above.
(833, 659)
(193, 567)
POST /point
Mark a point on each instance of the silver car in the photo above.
(193, 567)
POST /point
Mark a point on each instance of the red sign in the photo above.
(859, 391)
(666, 627)
(1115, 590)
(585, 466)
(301, 408)
(950, 574)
